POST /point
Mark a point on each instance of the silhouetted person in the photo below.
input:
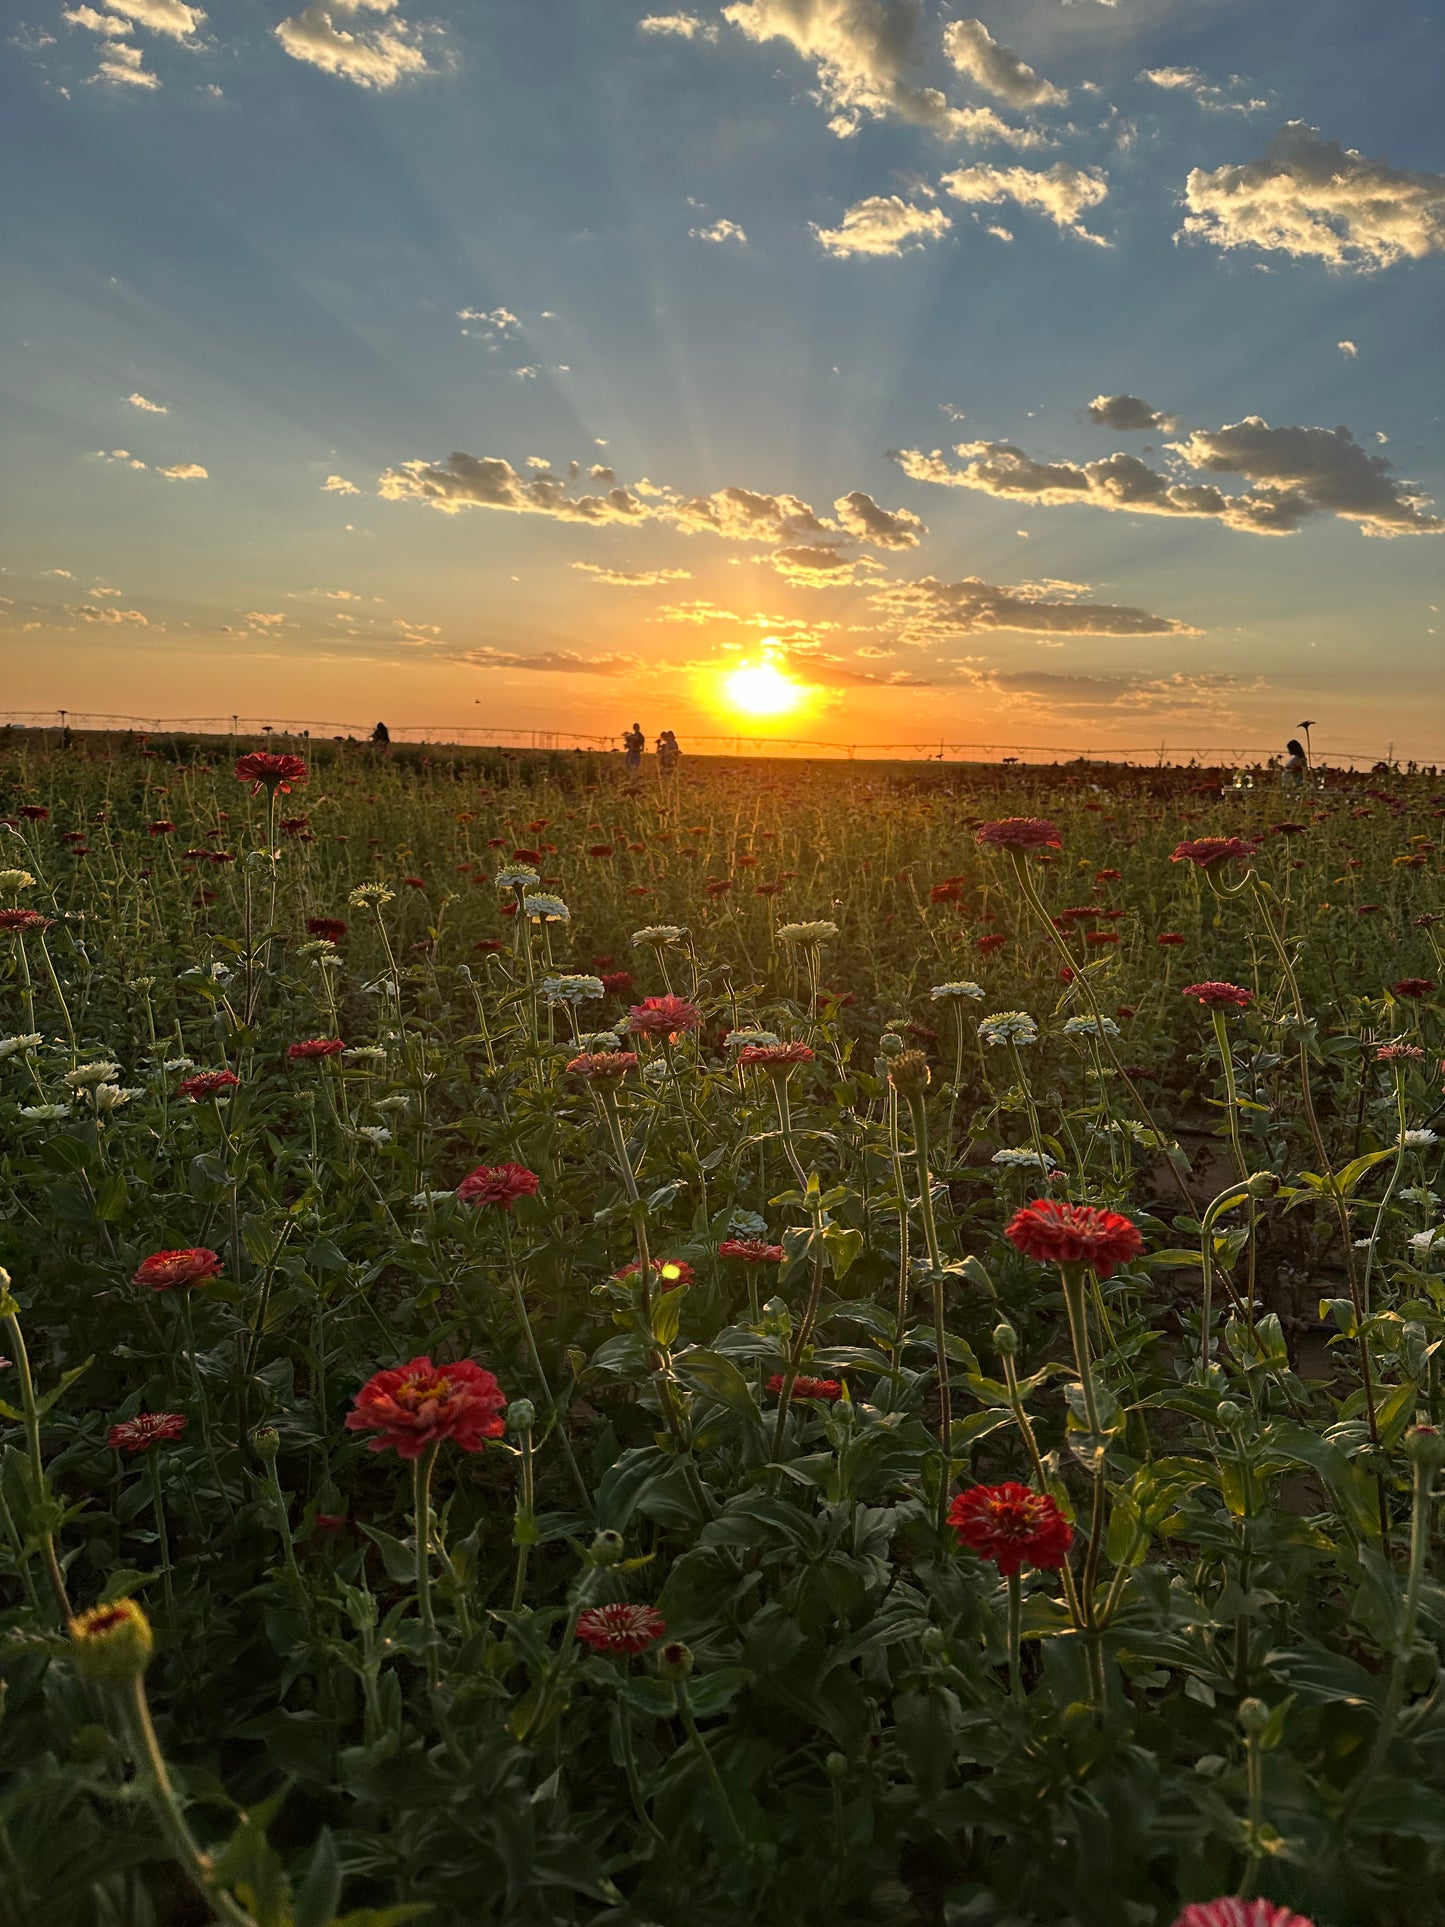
(1293, 774)
(381, 735)
(634, 742)
(668, 753)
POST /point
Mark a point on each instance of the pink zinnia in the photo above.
(620, 1628)
(751, 1251)
(669, 1272)
(1207, 851)
(207, 1084)
(1215, 996)
(772, 1057)
(312, 1047)
(670, 1017)
(1232, 1912)
(419, 1404)
(499, 1184)
(1020, 833)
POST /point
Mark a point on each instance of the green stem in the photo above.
(421, 1472)
(162, 1538)
(39, 1485)
(167, 1806)
(918, 1114)
(1015, 1634)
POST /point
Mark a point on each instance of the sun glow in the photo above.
(762, 689)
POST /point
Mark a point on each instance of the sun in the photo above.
(762, 689)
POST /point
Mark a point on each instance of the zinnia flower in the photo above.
(163, 828)
(19, 920)
(1207, 851)
(1020, 833)
(1170, 937)
(1012, 1526)
(1074, 1234)
(1218, 996)
(670, 1017)
(139, 1434)
(1414, 987)
(604, 1067)
(826, 1389)
(265, 771)
(418, 1404)
(669, 1272)
(1398, 1054)
(313, 1047)
(168, 1270)
(751, 1251)
(775, 1057)
(620, 1628)
(207, 1084)
(1232, 1912)
(331, 928)
(499, 1184)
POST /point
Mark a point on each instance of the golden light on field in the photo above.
(762, 689)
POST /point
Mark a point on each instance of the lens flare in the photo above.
(762, 689)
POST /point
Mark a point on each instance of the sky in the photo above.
(1061, 378)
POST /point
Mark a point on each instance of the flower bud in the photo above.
(521, 1415)
(889, 1045)
(266, 1442)
(1005, 1340)
(1228, 1414)
(1262, 1184)
(607, 1548)
(1253, 1717)
(908, 1073)
(836, 1767)
(1425, 1446)
(934, 1641)
(112, 1644)
(674, 1660)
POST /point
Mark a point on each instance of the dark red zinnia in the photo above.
(1074, 1234)
(1207, 851)
(419, 1404)
(331, 928)
(620, 1628)
(207, 1084)
(829, 1390)
(21, 920)
(1413, 987)
(265, 771)
(500, 1184)
(139, 1434)
(1020, 833)
(751, 1251)
(1012, 1526)
(1218, 996)
(309, 1048)
(1170, 937)
(669, 1272)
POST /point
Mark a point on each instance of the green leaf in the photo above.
(843, 1246)
(718, 1378)
(1349, 1177)
(319, 1894)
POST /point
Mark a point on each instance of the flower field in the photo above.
(802, 1343)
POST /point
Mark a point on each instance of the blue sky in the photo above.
(757, 264)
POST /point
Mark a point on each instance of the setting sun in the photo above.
(761, 689)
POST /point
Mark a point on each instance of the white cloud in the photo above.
(632, 578)
(684, 26)
(109, 24)
(1295, 473)
(498, 324)
(529, 373)
(124, 66)
(90, 612)
(1348, 350)
(1042, 694)
(560, 661)
(185, 472)
(818, 565)
(1312, 199)
(884, 224)
(1062, 192)
(150, 407)
(338, 485)
(167, 17)
(863, 52)
(859, 515)
(930, 610)
(374, 56)
(1124, 412)
(720, 230)
(997, 69)
(1219, 100)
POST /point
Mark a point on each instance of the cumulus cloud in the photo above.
(1312, 199)
(90, 612)
(167, 17)
(338, 485)
(929, 610)
(632, 578)
(1295, 473)
(376, 55)
(682, 26)
(1231, 99)
(488, 481)
(864, 52)
(1062, 192)
(150, 407)
(560, 661)
(720, 230)
(1348, 350)
(883, 224)
(1124, 412)
(817, 565)
(124, 66)
(185, 472)
(1041, 693)
(498, 324)
(859, 515)
(109, 24)
(997, 69)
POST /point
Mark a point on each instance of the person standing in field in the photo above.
(634, 742)
(1292, 776)
(668, 753)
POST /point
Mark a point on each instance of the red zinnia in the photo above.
(718, 886)
(617, 983)
(1206, 851)
(670, 1017)
(310, 1047)
(827, 1389)
(602, 1066)
(164, 828)
(33, 812)
(23, 920)
(1074, 1234)
(1232, 1912)
(945, 893)
(139, 1434)
(331, 928)
(1169, 937)
(1413, 987)
(207, 1084)
(599, 849)
(774, 1056)
(265, 771)
(1218, 996)
(751, 1251)
(620, 1628)
(489, 946)
(669, 1272)
(1012, 1526)
(168, 1270)
(499, 1184)
(994, 941)
(419, 1404)
(1020, 833)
